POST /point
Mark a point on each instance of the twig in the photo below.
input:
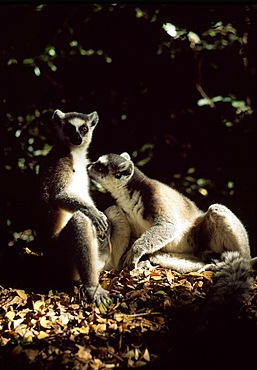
(204, 95)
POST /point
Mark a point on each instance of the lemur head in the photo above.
(112, 170)
(73, 128)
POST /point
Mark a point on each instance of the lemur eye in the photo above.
(99, 167)
(84, 129)
(118, 175)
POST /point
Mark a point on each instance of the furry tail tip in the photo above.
(233, 282)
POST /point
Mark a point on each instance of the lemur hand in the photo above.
(100, 222)
(97, 295)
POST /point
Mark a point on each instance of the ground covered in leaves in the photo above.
(61, 330)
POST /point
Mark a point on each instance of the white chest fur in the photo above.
(134, 210)
(80, 183)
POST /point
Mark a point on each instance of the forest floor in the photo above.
(148, 323)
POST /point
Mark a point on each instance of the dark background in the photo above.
(148, 89)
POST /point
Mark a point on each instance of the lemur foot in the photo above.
(97, 295)
(146, 264)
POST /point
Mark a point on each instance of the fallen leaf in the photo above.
(21, 293)
(17, 322)
(129, 354)
(45, 323)
(84, 354)
(83, 330)
(170, 277)
(157, 277)
(38, 305)
(194, 273)
(146, 355)
(100, 328)
(119, 317)
(4, 341)
(42, 335)
(63, 319)
(10, 315)
(31, 354)
(161, 292)
(17, 350)
(102, 308)
(124, 305)
(208, 275)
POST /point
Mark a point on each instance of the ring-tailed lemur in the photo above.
(166, 228)
(69, 222)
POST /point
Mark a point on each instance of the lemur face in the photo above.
(75, 128)
(112, 170)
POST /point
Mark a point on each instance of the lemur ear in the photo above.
(125, 168)
(58, 116)
(125, 155)
(93, 118)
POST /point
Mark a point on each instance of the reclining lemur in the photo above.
(154, 224)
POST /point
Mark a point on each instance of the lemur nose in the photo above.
(76, 139)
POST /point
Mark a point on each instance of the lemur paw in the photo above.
(97, 295)
(145, 265)
(101, 223)
(209, 266)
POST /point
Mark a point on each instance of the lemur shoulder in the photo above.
(69, 222)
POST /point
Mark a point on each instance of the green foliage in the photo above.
(184, 106)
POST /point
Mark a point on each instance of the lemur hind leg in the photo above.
(76, 247)
(180, 262)
(224, 231)
(120, 237)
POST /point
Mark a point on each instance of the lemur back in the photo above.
(69, 221)
(167, 226)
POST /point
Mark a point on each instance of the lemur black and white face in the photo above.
(74, 128)
(112, 170)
